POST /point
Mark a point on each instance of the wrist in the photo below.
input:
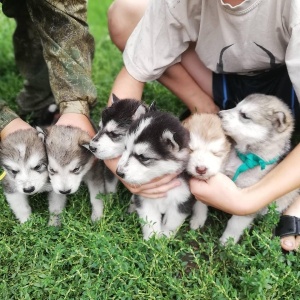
(14, 125)
(76, 120)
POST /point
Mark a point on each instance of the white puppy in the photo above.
(209, 149)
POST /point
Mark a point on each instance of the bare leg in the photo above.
(123, 15)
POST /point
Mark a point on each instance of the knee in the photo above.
(122, 16)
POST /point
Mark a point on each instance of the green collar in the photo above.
(250, 161)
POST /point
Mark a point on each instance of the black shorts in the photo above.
(229, 89)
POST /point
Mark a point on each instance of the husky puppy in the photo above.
(24, 159)
(209, 150)
(69, 164)
(156, 145)
(109, 142)
(261, 127)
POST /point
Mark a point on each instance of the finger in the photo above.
(152, 196)
(288, 243)
(157, 182)
(163, 189)
(297, 243)
(199, 188)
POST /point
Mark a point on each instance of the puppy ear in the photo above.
(84, 141)
(186, 123)
(42, 133)
(141, 110)
(153, 106)
(280, 121)
(168, 139)
(100, 126)
(115, 98)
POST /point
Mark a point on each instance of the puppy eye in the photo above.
(39, 167)
(51, 171)
(113, 135)
(217, 153)
(76, 170)
(143, 158)
(244, 116)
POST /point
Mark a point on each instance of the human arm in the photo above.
(220, 191)
(68, 49)
(292, 59)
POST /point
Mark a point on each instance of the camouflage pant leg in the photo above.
(36, 93)
(68, 50)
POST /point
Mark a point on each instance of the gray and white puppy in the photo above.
(261, 127)
(109, 142)
(156, 145)
(209, 150)
(24, 159)
(69, 164)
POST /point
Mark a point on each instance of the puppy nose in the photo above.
(120, 174)
(29, 189)
(65, 192)
(201, 170)
(92, 149)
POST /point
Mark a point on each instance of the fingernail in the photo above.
(288, 243)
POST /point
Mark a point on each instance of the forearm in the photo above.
(282, 179)
(180, 82)
(221, 192)
(125, 86)
(68, 51)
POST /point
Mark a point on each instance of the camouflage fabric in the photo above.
(53, 51)
(6, 115)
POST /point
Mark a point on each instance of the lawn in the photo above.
(109, 259)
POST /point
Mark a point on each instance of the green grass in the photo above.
(109, 259)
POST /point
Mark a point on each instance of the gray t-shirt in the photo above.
(255, 36)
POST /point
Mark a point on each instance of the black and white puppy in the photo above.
(157, 145)
(109, 142)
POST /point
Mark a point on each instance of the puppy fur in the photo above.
(156, 145)
(109, 142)
(209, 150)
(23, 157)
(262, 125)
(69, 164)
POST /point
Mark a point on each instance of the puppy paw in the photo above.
(54, 221)
(132, 208)
(95, 217)
(196, 223)
(225, 238)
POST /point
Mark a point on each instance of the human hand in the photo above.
(77, 120)
(156, 188)
(14, 125)
(220, 192)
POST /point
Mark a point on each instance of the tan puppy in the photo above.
(209, 150)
